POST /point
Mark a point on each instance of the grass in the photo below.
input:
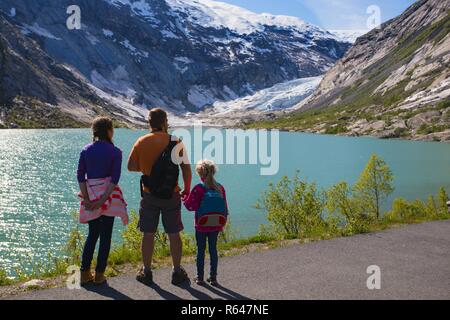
(36, 115)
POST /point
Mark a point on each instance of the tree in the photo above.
(443, 198)
(374, 185)
(342, 205)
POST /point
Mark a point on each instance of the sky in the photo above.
(328, 14)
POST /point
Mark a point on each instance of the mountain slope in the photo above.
(32, 85)
(179, 54)
(394, 82)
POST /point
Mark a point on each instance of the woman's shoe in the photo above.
(86, 277)
(99, 278)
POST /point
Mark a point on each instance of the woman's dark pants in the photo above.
(99, 228)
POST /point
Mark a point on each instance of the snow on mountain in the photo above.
(219, 15)
(138, 7)
(349, 36)
(281, 96)
(36, 29)
(183, 55)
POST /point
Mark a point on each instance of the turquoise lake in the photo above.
(38, 181)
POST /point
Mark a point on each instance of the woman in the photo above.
(99, 170)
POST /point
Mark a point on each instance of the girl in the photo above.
(209, 202)
(99, 170)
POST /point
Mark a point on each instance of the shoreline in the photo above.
(284, 130)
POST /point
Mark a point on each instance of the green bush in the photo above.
(294, 207)
(403, 210)
(228, 235)
(130, 249)
(131, 235)
(443, 104)
(4, 279)
(417, 210)
(347, 211)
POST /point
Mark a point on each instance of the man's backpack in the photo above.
(164, 175)
(213, 209)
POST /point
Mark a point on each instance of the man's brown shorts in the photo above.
(152, 207)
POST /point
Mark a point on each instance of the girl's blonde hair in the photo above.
(206, 169)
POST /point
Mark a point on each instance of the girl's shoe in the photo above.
(199, 281)
(213, 281)
(86, 277)
(99, 278)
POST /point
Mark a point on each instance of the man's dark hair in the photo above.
(157, 118)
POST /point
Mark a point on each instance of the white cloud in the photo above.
(339, 14)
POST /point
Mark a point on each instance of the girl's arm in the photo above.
(193, 201)
(225, 198)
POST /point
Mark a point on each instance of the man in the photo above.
(145, 153)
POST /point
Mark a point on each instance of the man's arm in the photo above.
(133, 160)
(187, 178)
(133, 165)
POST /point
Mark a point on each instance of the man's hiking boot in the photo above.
(99, 278)
(179, 276)
(86, 277)
(145, 276)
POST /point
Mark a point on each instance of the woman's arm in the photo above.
(81, 177)
(81, 171)
(84, 192)
(117, 167)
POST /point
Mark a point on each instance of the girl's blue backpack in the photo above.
(213, 209)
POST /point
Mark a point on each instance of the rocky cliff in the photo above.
(36, 91)
(394, 82)
(180, 54)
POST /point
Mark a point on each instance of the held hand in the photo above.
(88, 204)
(97, 205)
(184, 194)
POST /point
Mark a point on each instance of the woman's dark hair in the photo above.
(100, 128)
(157, 118)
